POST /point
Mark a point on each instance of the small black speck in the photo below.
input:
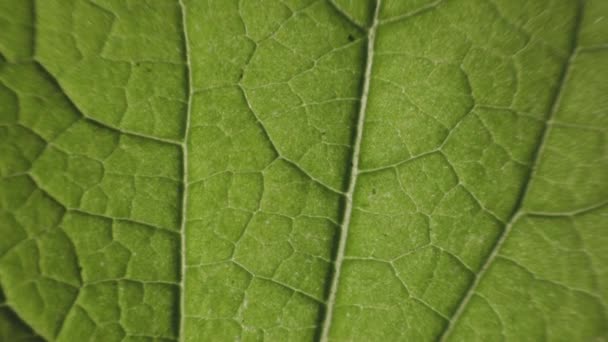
(351, 37)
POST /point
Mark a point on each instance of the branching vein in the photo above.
(518, 212)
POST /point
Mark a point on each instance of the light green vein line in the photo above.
(519, 211)
(354, 172)
(87, 117)
(346, 15)
(184, 145)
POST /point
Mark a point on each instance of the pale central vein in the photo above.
(184, 204)
(518, 212)
(352, 182)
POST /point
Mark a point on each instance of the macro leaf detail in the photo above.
(332, 170)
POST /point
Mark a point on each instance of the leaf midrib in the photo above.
(352, 181)
(184, 204)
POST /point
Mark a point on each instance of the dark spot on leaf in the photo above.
(351, 38)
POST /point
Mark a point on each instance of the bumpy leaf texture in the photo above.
(296, 170)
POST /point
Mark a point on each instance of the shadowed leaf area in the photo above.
(303, 170)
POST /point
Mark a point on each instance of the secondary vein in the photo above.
(184, 146)
(518, 211)
(352, 182)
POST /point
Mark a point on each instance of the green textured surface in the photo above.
(221, 170)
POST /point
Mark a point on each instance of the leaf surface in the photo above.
(303, 170)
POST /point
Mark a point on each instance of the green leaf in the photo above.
(226, 170)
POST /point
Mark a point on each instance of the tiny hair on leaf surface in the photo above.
(303, 170)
